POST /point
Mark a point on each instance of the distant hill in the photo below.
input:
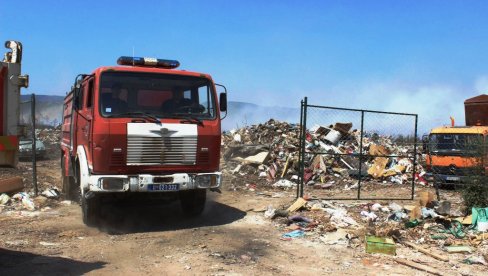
(49, 111)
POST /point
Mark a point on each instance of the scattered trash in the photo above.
(26, 201)
(369, 215)
(4, 199)
(428, 213)
(299, 203)
(294, 234)
(48, 244)
(51, 193)
(475, 260)
(283, 183)
(298, 218)
(459, 249)
(480, 218)
(339, 218)
(338, 237)
(444, 208)
(380, 245)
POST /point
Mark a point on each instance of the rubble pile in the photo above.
(425, 225)
(50, 136)
(270, 153)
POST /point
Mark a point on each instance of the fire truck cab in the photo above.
(141, 128)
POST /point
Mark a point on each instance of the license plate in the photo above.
(453, 178)
(163, 187)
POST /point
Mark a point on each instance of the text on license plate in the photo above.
(163, 187)
(453, 178)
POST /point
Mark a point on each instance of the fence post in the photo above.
(34, 161)
(303, 144)
(361, 155)
(415, 160)
(300, 149)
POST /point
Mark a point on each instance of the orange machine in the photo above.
(457, 152)
(10, 83)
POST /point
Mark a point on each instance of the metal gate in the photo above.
(356, 154)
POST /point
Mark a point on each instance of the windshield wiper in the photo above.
(146, 115)
(192, 120)
(186, 118)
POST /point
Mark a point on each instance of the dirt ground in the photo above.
(232, 237)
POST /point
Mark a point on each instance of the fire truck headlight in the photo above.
(112, 183)
(206, 181)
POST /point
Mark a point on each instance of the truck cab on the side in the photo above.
(455, 153)
(141, 128)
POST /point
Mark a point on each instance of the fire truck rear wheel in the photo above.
(70, 189)
(90, 208)
(193, 202)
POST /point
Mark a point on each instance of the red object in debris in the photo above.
(308, 137)
(420, 179)
(307, 175)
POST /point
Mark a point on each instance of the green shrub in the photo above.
(475, 192)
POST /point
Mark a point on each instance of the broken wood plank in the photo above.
(376, 170)
(299, 203)
(419, 266)
(425, 251)
(13, 184)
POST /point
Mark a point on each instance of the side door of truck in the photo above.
(85, 117)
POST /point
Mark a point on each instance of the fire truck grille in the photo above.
(161, 150)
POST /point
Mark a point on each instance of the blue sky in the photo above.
(421, 57)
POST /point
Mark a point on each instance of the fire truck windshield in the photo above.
(127, 94)
(456, 144)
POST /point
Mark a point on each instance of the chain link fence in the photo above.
(357, 154)
(456, 157)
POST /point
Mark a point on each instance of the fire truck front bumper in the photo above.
(155, 183)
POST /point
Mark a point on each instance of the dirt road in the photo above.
(231, 238)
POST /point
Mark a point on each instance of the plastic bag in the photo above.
(480, 218)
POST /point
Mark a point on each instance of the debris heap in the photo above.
(334, 155)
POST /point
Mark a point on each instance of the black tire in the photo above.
(193, 202)
(70, 189)
(90, 209)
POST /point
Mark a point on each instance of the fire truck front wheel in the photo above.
(193, 202)
(90, 208)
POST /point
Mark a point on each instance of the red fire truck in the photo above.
(141, 129)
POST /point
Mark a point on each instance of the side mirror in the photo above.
(76, 97)
(223, 102)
